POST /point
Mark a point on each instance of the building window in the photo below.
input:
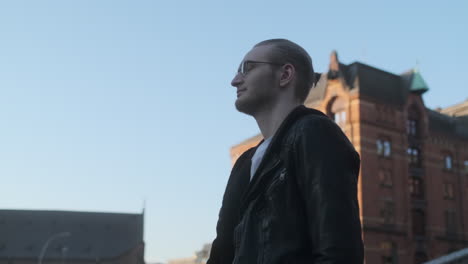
(448, 162)
(336, 110)
(389, 252)
(385, 177)
(387, 149)
(411, 127)
(448, 191)
(413, 121)
(379, 147)
(340, 117)
(388, 212)
(420, 257)
(419, 222)
(387, 260)
(416, 187)
(450, 223)
(413, 156)
(384, 148)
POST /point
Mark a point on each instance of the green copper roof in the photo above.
(418, 84)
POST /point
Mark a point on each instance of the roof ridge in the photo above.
(66, 211)
(374, 68)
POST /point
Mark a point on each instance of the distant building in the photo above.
(28, 237)
(189, 260)
(413, 184)
(203, 254)
(456, 110)
(200, 257)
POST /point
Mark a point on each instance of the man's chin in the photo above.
(244, 107)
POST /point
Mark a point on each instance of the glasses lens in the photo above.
(241, 69)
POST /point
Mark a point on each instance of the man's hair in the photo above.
(286, 51)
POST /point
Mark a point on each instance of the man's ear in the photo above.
(287, 74)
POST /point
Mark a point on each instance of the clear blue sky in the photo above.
(104, 104)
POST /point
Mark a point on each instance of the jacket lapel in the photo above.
(271, 159)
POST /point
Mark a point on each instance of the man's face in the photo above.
(257, 86)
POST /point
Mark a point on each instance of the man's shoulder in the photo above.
(246, 155)
(321, 129)
(314, 121)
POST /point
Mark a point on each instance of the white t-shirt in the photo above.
(258, 156)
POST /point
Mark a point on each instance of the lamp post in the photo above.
(46, 244)
(64, 254)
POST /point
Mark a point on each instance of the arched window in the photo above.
(414, 158)
(448, 162)
(387, 148)
(413, 123)
(336, 110)
(419, 222)
(411, 127)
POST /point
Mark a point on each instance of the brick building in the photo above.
(30, 237)
(414, 160)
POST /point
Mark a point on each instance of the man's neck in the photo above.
(270, 120)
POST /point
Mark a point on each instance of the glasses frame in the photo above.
(243, 65)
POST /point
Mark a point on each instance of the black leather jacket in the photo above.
(301, 205)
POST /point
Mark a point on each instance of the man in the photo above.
(293, 198)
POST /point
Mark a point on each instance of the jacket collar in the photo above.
(287, 123)
(271, 158)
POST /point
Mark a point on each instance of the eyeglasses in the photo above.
(244, 69)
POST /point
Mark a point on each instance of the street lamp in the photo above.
(64, 250)
(46, 244)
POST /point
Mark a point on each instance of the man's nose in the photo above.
(237, 80)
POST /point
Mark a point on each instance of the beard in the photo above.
(245, 106)
(253, 103)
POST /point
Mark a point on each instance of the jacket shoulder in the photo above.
(242, 160)
(315, 118)
(319, 128)
(245, 156)
(315, 124)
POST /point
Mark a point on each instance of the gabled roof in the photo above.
(92, 235)
(384, 86)
(389, 88)
(369, 81)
